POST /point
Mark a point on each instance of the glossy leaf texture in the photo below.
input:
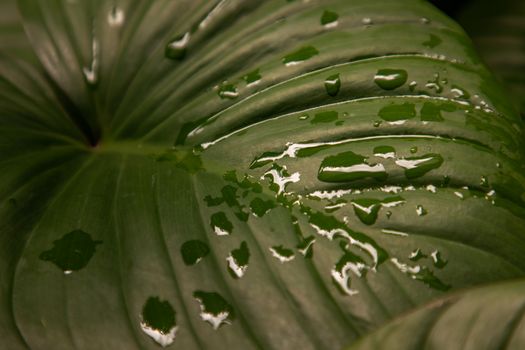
(486, 318)
(499, 35)
(246, 174)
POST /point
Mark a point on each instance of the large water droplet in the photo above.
(176, 49)
(214, 309)
(238, 260)
(220, 224)
(349, 166)
(389, 79)
(332, 85)
(438, 261)
(158, 321)
(72, 252)
(302, 54)
(419, 166)
(193, 251)
(366, 209)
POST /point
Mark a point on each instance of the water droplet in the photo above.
(419, 166)
(395, 233)
(91, 72)
(349, 263)
(325, 117)
(459, 92)
(158, 321)
(176, 49)
(417, 255)
(413, 150)
(390, 79)
(116, 17)
(412, 86)
(421, 211)
(227, 90)
(72, 252)
(282, 254)
(422, 274)
(433, 41)
(306, 247)
(438, 261)
(435, 84)
(366, 21)
(260, 207)
(333, 85)
(193, 251)
(395, 112)
(431, 188)
(424, 20)
(252, 78)
(238, 261)
(366, 209)
(459, 194)
(388, 214)
(280, 178)
(220, 224)
(329, 19)
(385, 152)
(349, 166)
(377, 123)
(484, 182)
(302, 54)
(304, 116)
(214, 309)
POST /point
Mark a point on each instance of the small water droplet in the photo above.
(282, 254)
(412, 86)
(194, 251)
(214, 309)
(302, 54)
(438, 261)
(390, 79)
(238, 261)
(431, 188)
(72, 252)
(421, 211)
(417, 255)
(116, 17)
(304, 117)
(388, 214)
(366, 21)
(220, 224)
(413, 150)
(227, 90)
(377, 123)
(484, 182)
(424, 20)
(435, 84)
(306, 247)
(329, 19)
(332, 85)
(253, 77)
(176, 49)
(158, 321)
(91, 72)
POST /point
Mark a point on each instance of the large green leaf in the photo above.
(484, 319)
(335, 164)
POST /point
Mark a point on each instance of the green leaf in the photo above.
(246, 174)
(484, 318)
